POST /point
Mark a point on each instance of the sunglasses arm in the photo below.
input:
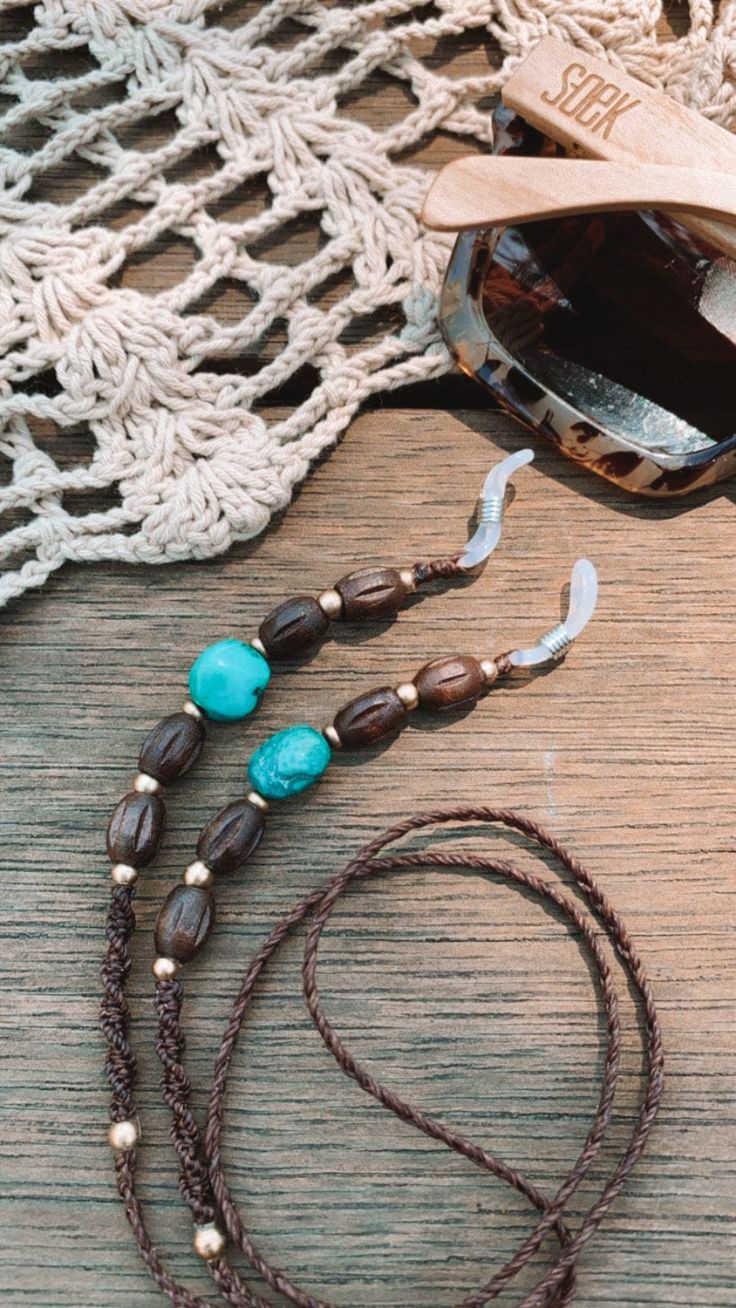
(493, 190)
(583, 599)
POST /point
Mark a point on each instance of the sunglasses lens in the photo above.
(624, 316)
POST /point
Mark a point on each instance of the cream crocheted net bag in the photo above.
(188, 447)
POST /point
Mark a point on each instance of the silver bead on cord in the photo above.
(197, 874)
(145, 784)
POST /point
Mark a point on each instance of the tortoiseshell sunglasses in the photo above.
(612, 333)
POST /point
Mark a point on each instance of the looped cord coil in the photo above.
(203, 1181)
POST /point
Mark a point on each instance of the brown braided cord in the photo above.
(176, 1089)
(603, 910)
(439, 570)
(120, 1064)
(557, 1288)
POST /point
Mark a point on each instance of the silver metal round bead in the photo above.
(192, 709)
(330, 602)
(258, 646)
(197, 874)
(254, 798)
(123, 1135)
(489, 668)
(331, 736)
(123, 874)
(164, 969)
(209, 1242)
(146, 785)
(408, 694)
(409, 578)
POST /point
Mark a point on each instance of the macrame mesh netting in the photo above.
(187, 415)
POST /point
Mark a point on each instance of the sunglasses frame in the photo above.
(480, 355)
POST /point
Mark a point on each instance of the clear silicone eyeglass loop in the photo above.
(555, 643)
(488, 532)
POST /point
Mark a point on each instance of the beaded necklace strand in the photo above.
(226, 683)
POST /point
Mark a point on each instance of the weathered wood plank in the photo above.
(467, 996)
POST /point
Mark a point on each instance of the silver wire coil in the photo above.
(491, 508)
(557, 640)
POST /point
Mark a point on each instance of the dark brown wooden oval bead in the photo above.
(135, 829)
(450, 683)
(172, 747)
(370, 718)
(184, 923)
(372, 593)
(293, 627)
(231, 836)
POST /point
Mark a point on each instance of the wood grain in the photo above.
(498, 189)
(599, 113)
(463, 994)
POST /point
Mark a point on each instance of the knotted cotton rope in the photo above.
(181, 430)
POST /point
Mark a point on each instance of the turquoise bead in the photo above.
(288, 762)
(228, 679)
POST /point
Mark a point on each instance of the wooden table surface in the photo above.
(463, 993)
